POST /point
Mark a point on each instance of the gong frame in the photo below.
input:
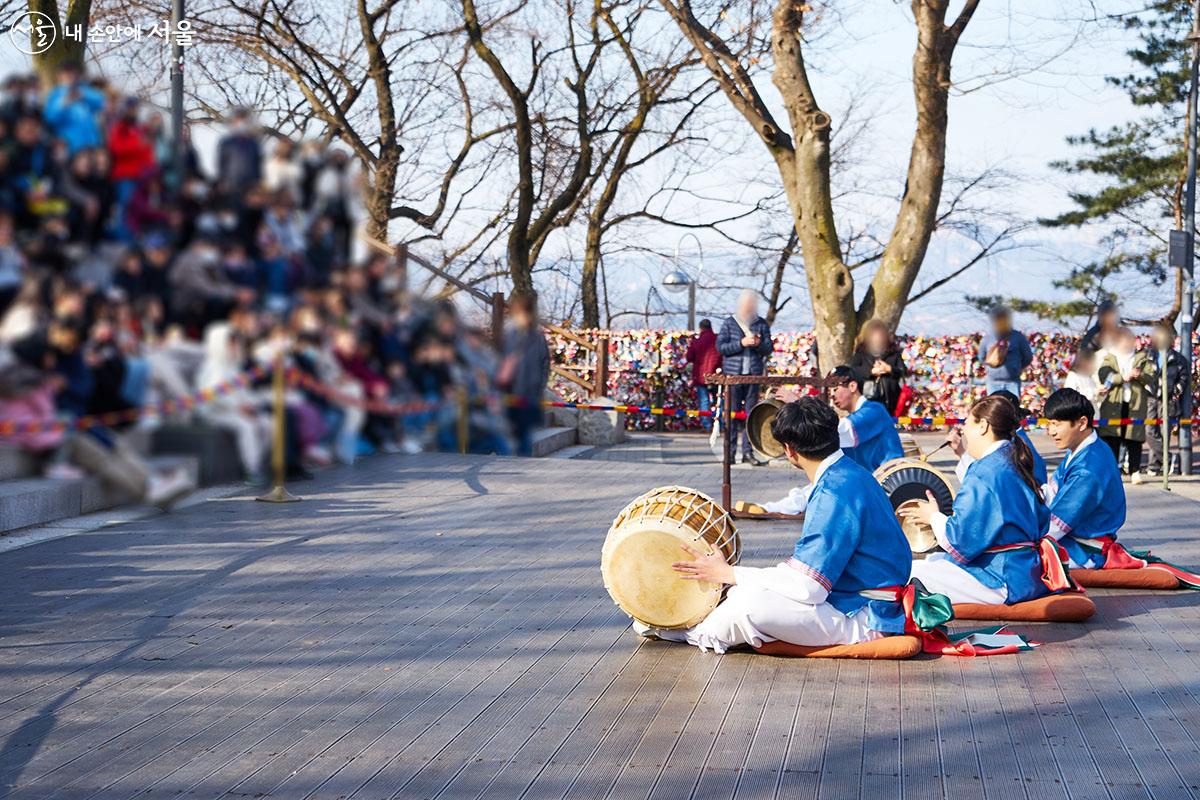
(727, 382)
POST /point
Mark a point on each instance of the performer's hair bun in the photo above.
(808, 426)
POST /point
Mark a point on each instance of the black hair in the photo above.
(705, 325)
(1004, 419)
(1012, 398)
(1068, 405)
(843, 375)
(809, 426)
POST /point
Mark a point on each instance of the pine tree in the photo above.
(1140, 164)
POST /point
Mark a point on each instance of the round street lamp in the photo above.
(678, 281)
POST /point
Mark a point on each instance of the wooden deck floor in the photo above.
(436, 627)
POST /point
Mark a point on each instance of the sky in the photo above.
(1027, 76)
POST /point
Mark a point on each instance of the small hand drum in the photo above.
(906, 480)
(647, 537)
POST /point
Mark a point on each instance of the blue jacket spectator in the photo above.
(73, 111)
(1005, 353)
(739, 358)
(239, 157)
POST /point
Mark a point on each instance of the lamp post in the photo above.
(177, 17)
(677, 280)
(1189, 227)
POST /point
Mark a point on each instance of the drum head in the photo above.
(638, 576)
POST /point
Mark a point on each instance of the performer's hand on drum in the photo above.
(711, 567)
(921, 510)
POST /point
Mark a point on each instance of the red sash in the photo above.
(1055, 573)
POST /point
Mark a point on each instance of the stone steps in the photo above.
(551, 440)
(36, 501)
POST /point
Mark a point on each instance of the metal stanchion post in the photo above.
(1165, 410)
(464, 420)
(279, 492)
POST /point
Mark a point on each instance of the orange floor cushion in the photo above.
(889, 647)
(1052, 608)
(1125, 578)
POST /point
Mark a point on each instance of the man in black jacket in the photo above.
(745, 345)
(1163, 338)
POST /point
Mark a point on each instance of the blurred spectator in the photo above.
(12, 265)
(234, 410)
(1005, 353)
(1082, 377)
(89, 196)
(201, 292)
(239, 157)
(1108, 319)
(879, 365)
(282, 172)
(1162, 343)
(132, 154)
(524, 370)
(745, 344)
(74, 109)
(705, 360)
(1123, 372)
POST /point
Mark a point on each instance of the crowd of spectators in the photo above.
(124, 282)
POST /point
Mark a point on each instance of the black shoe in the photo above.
(749, 458)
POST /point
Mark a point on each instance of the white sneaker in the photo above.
(1136, 478)
(164, 490)
(63, 472)
(410, 447)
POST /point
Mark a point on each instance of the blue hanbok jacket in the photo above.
(1039, 464)
(875, 434)
(993, 508)
(1088, 501)
(851, 542)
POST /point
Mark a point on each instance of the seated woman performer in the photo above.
(993, 539)
(1086, 496)
(851, 543)
(964, 459)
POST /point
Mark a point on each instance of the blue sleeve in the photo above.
(981, 353)
(1078, 495)
(976, 522)
(767, 345)
(869, 421)
(832, 532)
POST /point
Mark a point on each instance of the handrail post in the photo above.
(279, 492)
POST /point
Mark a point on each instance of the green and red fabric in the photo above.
(1056, 574)
(926, 615)
(1117, 556)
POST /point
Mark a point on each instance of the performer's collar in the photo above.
(1091, 438)
(994, 447)
(862, 400)
(825, 464)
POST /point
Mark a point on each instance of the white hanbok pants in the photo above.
(940, 574)
(751, 616)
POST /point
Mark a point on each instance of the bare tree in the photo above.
(803, 159)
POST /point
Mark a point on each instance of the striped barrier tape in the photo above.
(940, 421)
(169, 406)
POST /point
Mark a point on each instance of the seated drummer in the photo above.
(867, 433)
(850, 543)
(994, 537)
(964, 460)
(1086, 496)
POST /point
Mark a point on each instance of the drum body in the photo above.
(758, 429)
(647, 537)
(906, 480)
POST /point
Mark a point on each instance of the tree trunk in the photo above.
(64, 50)
(589, 296)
